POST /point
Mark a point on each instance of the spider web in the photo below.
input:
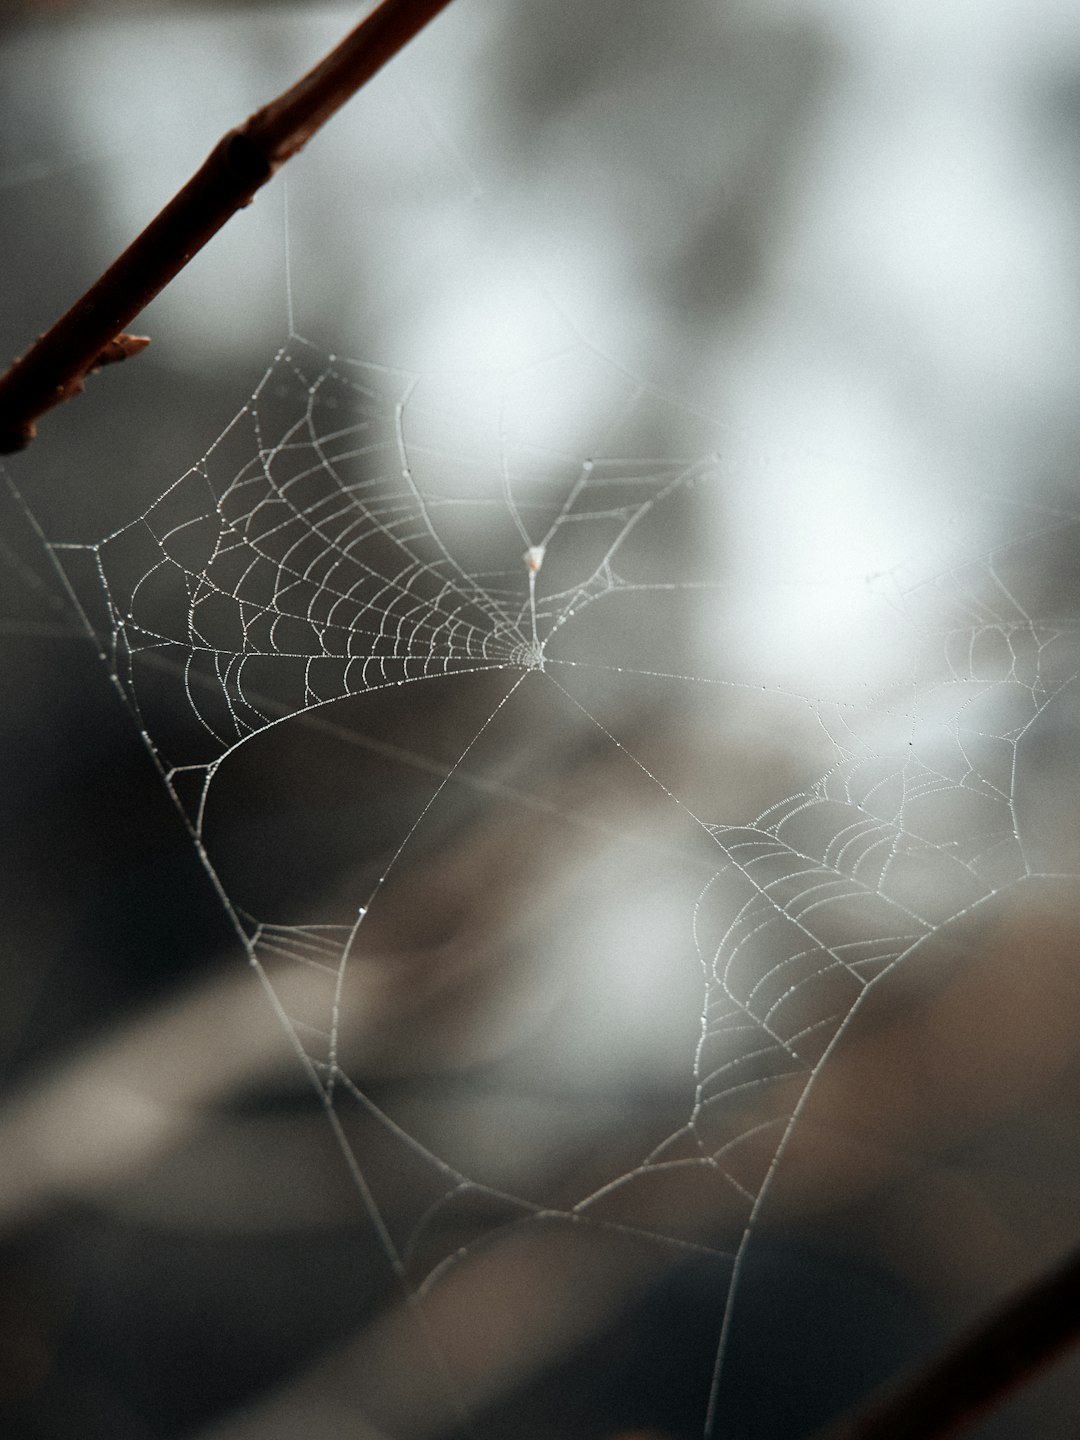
(359, 529)
(504, 764)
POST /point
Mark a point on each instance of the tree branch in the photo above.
(91, 334)
(979, 1372)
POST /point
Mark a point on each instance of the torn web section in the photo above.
(293, 565)
(445, 684)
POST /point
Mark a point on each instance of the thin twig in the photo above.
(980, 1371)
(91, 334)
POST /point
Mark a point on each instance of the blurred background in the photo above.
(786, 826)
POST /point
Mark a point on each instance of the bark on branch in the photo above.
(91, 334)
